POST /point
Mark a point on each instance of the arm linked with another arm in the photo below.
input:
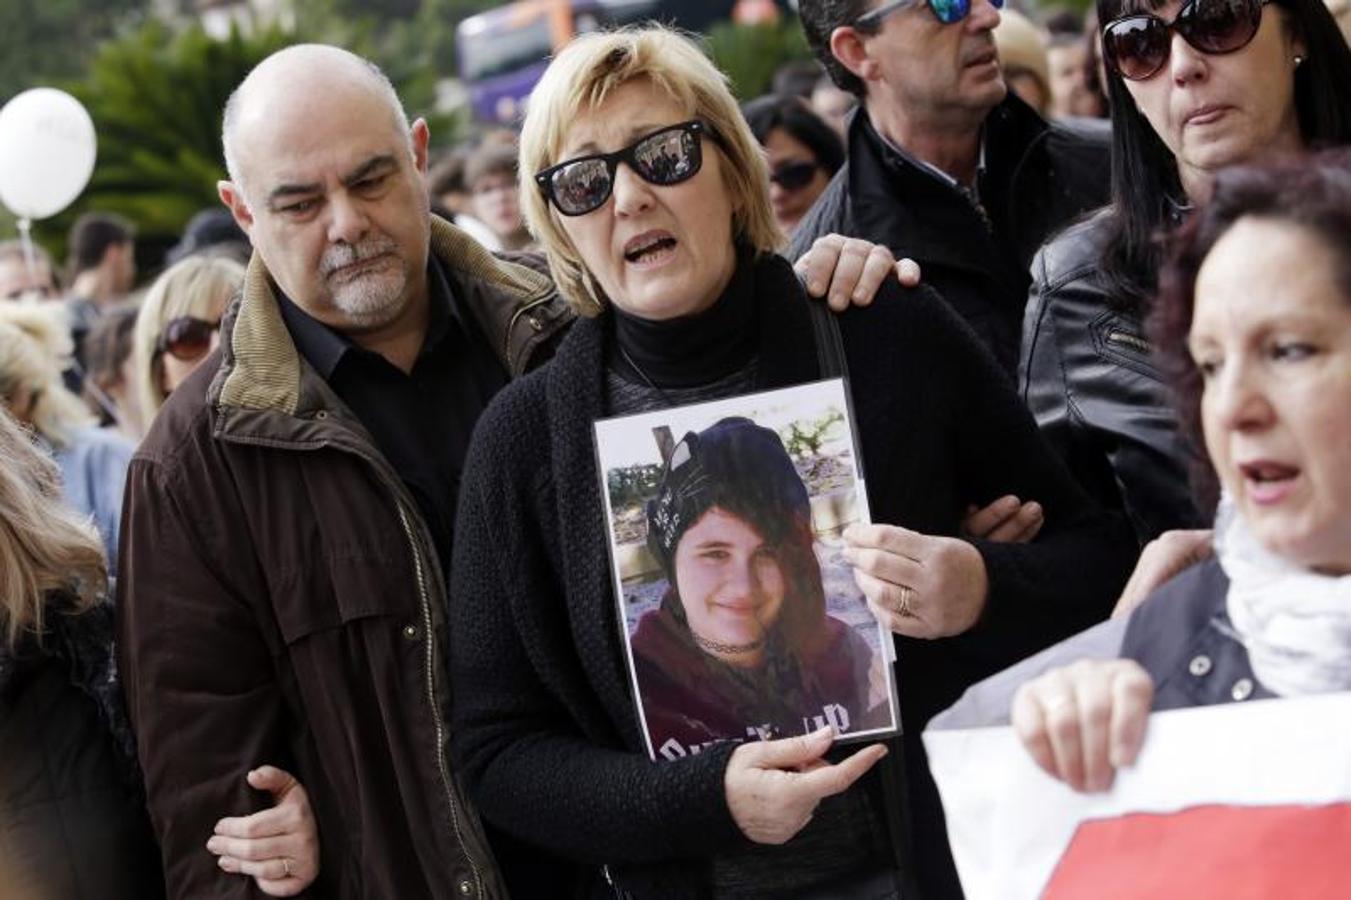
(198, 678)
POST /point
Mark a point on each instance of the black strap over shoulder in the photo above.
(829, 346)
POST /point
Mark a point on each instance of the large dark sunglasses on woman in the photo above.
(669, 156)
(187, 338)
(794, 176)
(1137, 46)
(946, 11)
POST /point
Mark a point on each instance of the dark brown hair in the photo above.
(1312, 192)
(1146, 189)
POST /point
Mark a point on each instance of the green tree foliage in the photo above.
(750, 54)
(157, 96)
(632, 485)
(53, 39)
(157, 99)
(412, 40)
(803, 439)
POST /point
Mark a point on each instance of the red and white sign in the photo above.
(1242, 801)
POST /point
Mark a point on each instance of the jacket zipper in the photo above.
(977, 207)
(1130, 340)
(516, 317)
(619, 892)
(430, 660)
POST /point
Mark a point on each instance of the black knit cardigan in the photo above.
(544, 728)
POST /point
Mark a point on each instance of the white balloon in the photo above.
(47, 149)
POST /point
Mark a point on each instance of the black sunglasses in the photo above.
(186, 338)
(794, 176)
(1137, 46)
(946, 11)
(665, 157)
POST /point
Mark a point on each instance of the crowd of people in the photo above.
(306, 585)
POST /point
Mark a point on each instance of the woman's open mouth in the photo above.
(1268, 482)
(651, 248)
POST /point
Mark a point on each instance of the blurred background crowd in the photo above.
(155, 73)
(120, 297)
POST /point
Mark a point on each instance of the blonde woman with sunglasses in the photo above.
(179, 325)
(650, 195)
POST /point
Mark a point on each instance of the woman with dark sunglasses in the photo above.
(178, 326)
(1194, 87)
(649, 195)
(803, 152)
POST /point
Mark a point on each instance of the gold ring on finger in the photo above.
(903, 608)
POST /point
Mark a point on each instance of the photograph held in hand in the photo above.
(740, 616)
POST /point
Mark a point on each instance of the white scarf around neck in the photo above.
(1295, 623)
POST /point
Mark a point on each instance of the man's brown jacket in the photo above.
(280, 602)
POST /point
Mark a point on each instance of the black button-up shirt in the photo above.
(421, 421)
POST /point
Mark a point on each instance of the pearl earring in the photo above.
(1298, 60)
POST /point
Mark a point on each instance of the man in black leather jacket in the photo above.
(945, 166)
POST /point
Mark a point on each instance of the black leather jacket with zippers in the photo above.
(1088, 376)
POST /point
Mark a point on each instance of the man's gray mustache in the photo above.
(341, 255)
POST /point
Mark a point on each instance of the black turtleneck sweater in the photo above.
(653, 363)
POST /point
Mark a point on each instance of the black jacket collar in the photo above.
(912, 210)
(325, 347)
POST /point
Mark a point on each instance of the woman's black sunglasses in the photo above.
(1137, 46)
(794, 176)
(186, 338)
(665, 157)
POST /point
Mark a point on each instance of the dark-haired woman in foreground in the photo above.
(1253, 325)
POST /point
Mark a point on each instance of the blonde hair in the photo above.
(199, 286)
(580, 78)
(44, 545)
(35, 348)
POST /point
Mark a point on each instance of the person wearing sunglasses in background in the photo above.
(946, 166)
(803, 153)
(178, 325)
(1194, 87)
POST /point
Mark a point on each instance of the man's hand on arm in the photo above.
(851, 271)
(1007, 520)
(279, 846)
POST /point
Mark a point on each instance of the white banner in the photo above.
(1244, 800)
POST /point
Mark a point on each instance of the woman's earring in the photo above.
(1298, 60)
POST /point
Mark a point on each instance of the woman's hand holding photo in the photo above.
(918, 585)
(773, 787)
